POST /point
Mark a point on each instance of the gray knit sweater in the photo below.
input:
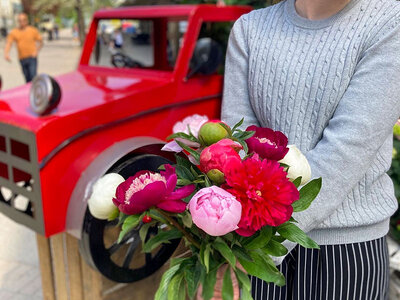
(333, 87)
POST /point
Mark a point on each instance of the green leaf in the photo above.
(297, 182)
(143, 231)
(161, 293)
(247, 134)
(183, 161)
(262, 240)
(178, 261)
(206, 258)
(207, 182)
(278, 239)
(184, 173)
(227, 128)
(285, 166)
(225, 251)
(182, 135)
(246, 295)
(121, 218)
(307, 194)
(192, 278)
(154, 214)
(183, 182)
(176, 288)
(195, 154)
(293, 233)
(243, 279)
(264, 268)
(187, 219)
(114, 215)
(209, 283)
(244, 145)
(227, 286)
(129, 223)
(275, 249)
(237, 125)
(160, 238)
(241, 253)
(195, 171)
(243, 135)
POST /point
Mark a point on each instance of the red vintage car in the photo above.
(141, 70)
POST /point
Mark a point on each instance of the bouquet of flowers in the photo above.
(230, 196)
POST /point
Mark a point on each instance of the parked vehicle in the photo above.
(58, 136)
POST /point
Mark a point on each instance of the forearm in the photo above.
(39, 45)
(7, 48)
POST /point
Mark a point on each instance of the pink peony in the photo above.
(267, 143)
(215, 211)
(147, 189)
(193, 122)
(219, 154)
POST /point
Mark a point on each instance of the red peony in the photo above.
(264, 191)
(267, 143)
(217, 155)
(148, 189)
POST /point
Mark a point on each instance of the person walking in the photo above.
(29, 42)
(326, 73)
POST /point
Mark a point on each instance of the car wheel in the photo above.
(124, 262)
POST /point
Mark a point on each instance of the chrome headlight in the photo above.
(45, 94)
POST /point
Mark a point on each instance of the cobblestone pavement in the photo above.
(19, 266)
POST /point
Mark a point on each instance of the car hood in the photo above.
(81, 90)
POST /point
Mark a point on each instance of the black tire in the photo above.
(107, 259)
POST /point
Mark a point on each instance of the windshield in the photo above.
(138, 43)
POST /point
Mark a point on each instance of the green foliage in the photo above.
(293, 233)
(394, 174)
(160, 238)
(130, 223)
(307, 194)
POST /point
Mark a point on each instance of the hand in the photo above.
(7, 57)
(218, 286)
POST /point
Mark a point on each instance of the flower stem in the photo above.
(178, 226)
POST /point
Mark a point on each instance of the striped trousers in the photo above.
(358, 271)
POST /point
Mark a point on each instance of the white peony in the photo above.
(298, 165)
(100, 202)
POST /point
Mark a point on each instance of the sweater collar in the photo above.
(296, 19)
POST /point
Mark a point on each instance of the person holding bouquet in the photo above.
(326, 73)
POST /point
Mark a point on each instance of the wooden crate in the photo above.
(66, 276)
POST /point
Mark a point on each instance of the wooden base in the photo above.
(66, 276)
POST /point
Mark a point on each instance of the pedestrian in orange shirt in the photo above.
(29, 42)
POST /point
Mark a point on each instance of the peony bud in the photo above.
(212, 132)
(298, 165)
(100, 202)
(216, 176)
(215, 211)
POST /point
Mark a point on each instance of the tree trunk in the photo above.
(81, 22)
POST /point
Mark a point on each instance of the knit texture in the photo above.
(333, 87)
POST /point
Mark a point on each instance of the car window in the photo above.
(134, 43)
(219, 33)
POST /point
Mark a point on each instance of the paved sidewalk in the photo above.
(55, 58)
(19, 266)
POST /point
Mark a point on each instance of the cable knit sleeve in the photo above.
(362, 121)
(236, 104)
